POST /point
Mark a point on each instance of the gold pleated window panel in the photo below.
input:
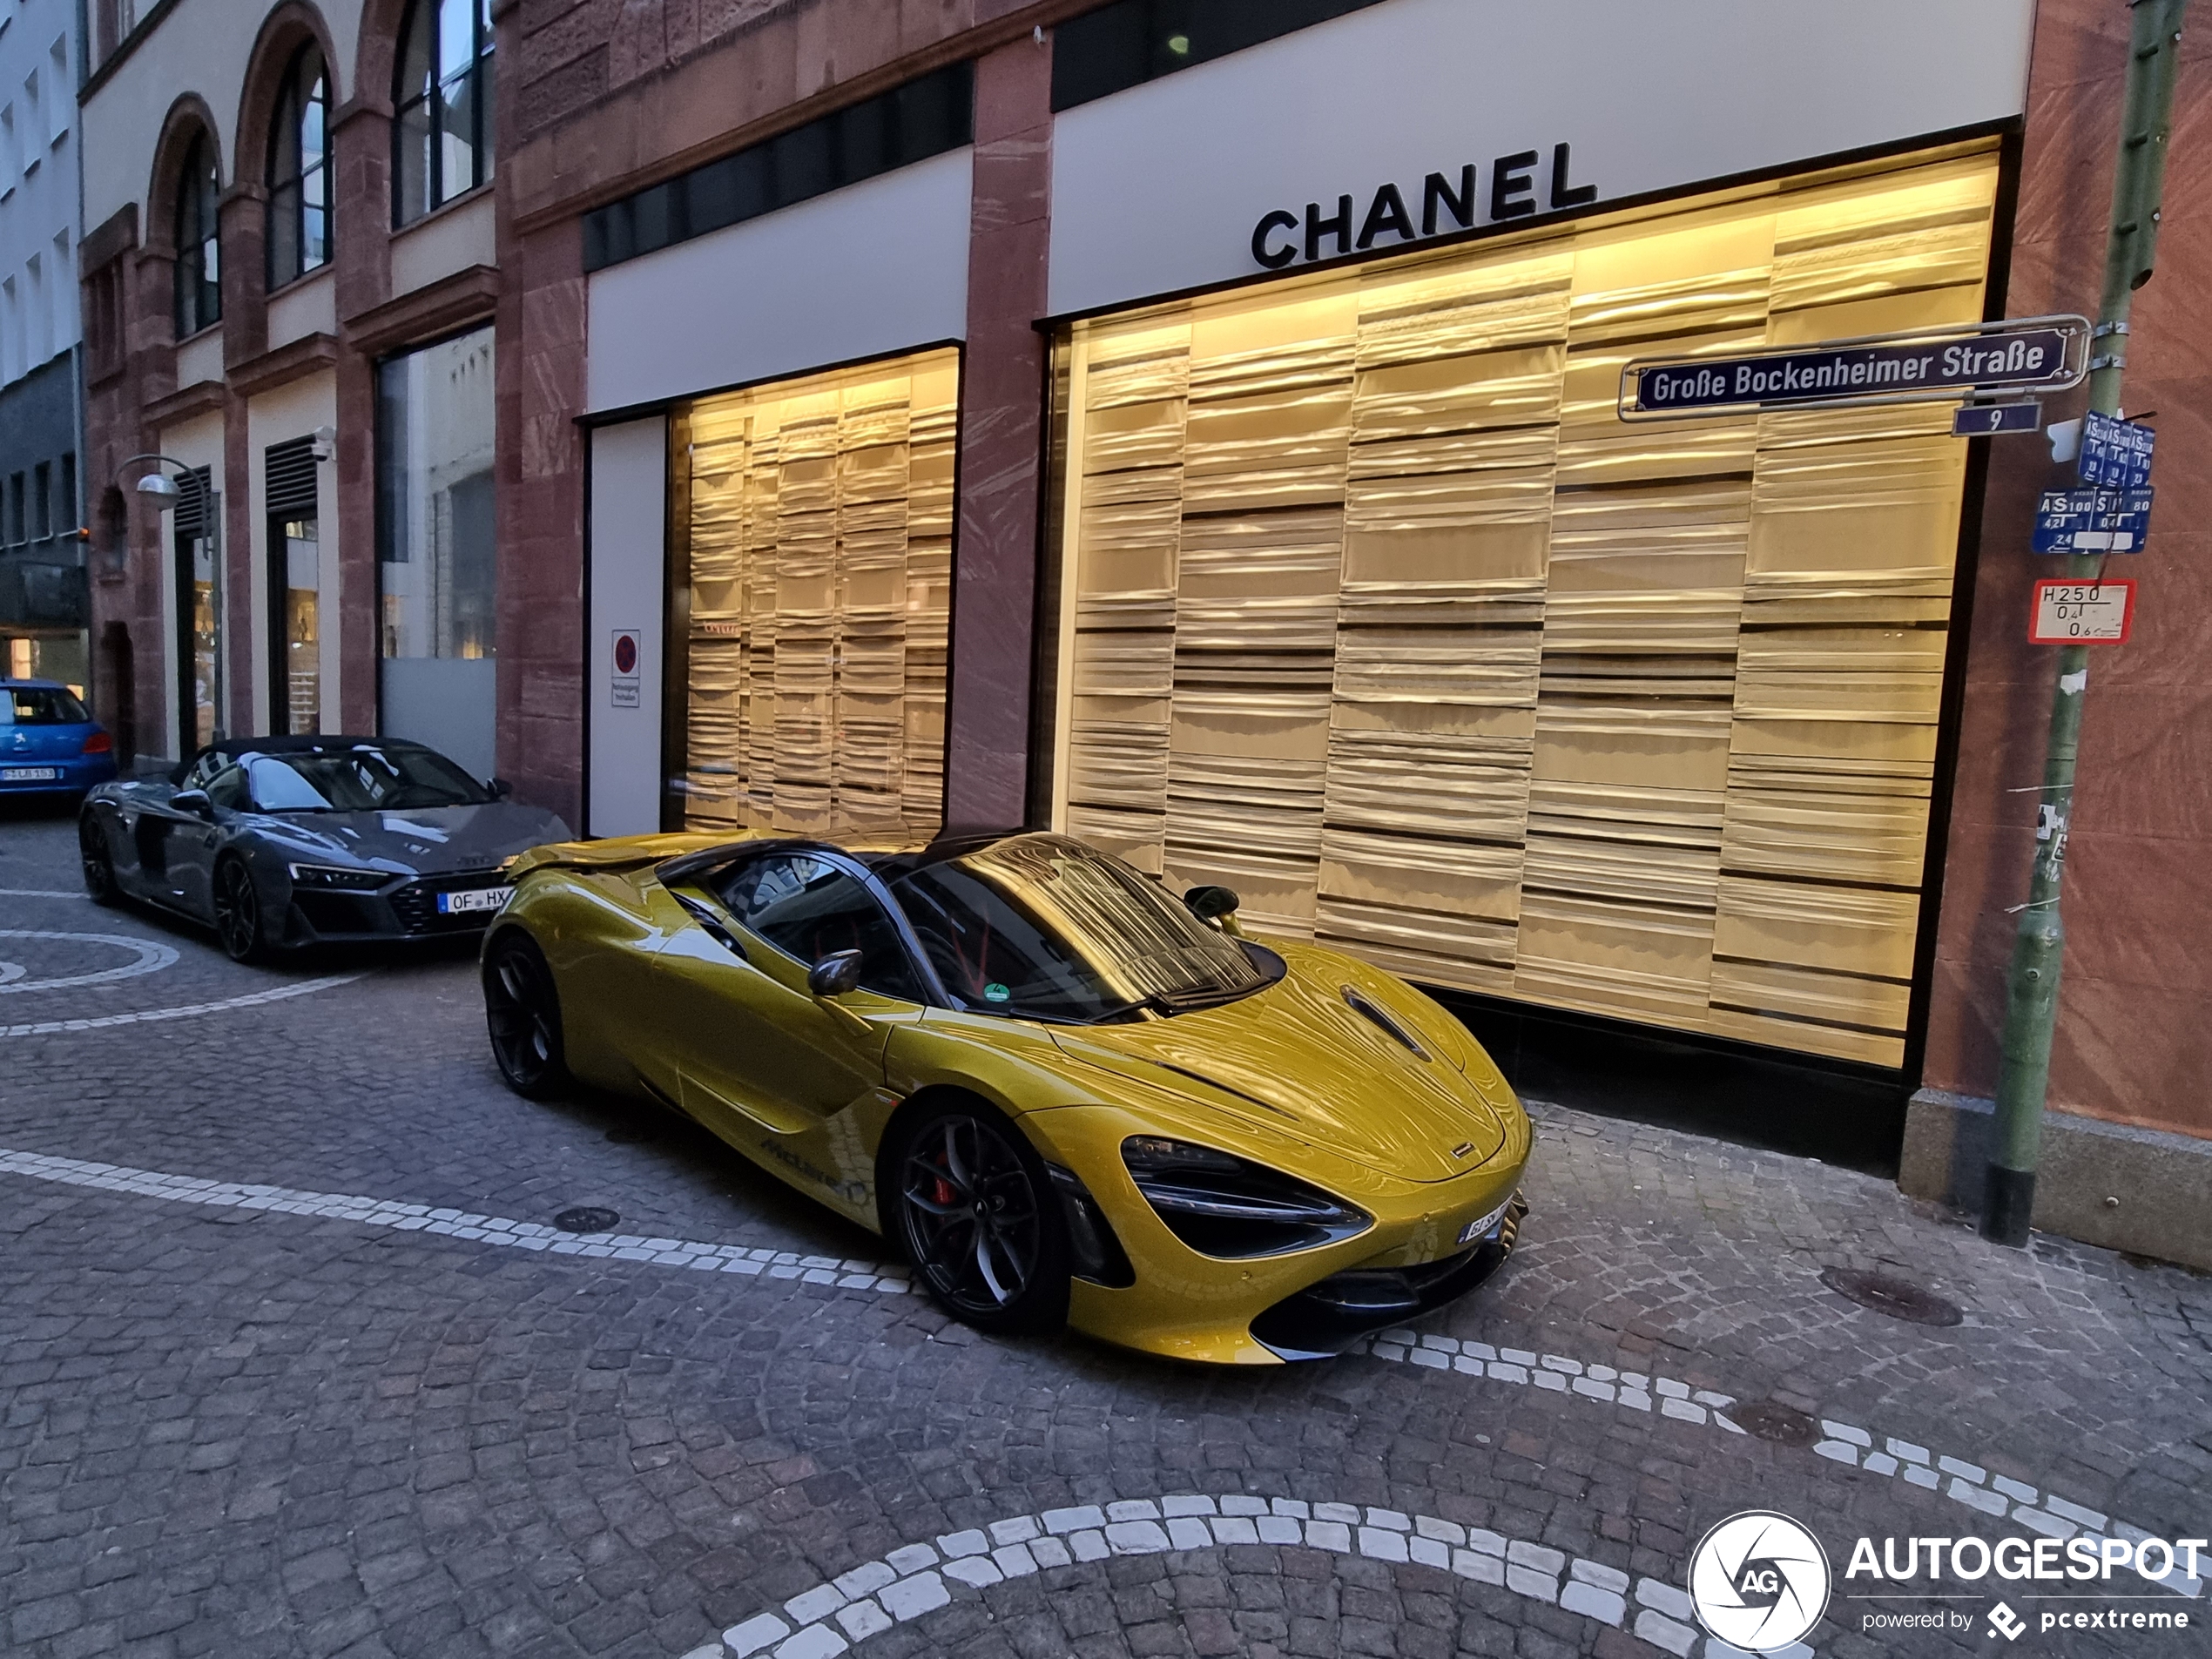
(818, 515)
(1378, 613)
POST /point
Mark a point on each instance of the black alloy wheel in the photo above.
(98, 863)
(978, 1218)
(238, 913)
(522, 1010)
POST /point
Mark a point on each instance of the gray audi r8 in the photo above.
(282, 842)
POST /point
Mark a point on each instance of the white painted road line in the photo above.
(1963, 1482)
(1845, 1443)
(489, 1229)
(38, 892)
(909, 1582)
(251, 999)
(152, 957)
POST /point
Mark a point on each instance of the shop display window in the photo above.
(812, 571)
(1373, 608)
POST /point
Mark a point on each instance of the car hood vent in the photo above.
(1298, 1051)
(1366, 1010)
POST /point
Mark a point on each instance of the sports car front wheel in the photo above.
(522, 1010)
(238, 913)
(98, 863)
(976, 1213)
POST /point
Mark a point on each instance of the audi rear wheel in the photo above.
(522, 1010)
(974, 1210)
(98, 862)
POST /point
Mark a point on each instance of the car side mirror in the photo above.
(835, 974)
(1211, 904)
(501, 789)
(195, 802)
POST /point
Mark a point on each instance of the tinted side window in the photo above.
(809, 908)
(227, 790)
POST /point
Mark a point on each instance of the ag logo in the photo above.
(1759, 1580)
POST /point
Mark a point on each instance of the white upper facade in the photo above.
(39, 71)
(199, 49)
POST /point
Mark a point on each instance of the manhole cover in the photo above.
(1770, 1419)
(1898, 1298)
(587, 1221)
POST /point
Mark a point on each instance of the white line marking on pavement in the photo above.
(152, 957)
(38, 892)
(252, 999)
(489, 1229)
(910, 1581)
(1967, 1483)
(10, 970)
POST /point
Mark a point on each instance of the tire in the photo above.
(523, 1012)
(238, 913)
(969, 1200)
(97, 861)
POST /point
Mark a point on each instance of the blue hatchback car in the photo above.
(49, 744)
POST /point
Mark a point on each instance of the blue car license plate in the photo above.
(30, 774)
(458, 904)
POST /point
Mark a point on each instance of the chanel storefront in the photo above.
(1353, 590)
(1365, 600)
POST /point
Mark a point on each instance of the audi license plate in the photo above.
(458, 904)
(30, 774)
(1480, 1226)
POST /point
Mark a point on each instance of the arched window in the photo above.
(442, 141)
(299, 177)
(199, 275)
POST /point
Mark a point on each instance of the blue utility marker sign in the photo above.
(1985, 420)
(2093, 520)
(2043, 354)
(2115, 453)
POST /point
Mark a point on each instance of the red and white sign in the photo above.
(2096, 612)
(629, 647)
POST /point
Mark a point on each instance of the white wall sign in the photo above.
(625, 657)
(1420, 117)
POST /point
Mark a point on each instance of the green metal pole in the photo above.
(2032, 998)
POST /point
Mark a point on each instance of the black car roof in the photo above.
(290, 743)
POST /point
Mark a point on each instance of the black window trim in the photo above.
(695, 870)
(291, 100)
(481, 75)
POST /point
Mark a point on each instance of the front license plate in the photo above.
(454, 904)
(1480, 1226)
(30, 774)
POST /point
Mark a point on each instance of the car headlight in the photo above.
(333, 876)
(1223, 1205)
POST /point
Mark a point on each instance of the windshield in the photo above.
(1044, 927)
(359, 779)
(41, 705)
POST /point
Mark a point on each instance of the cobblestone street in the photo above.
(294, 1359)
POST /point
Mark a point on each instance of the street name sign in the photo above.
(2093, 520)
(2097, 612)
(2035, 354)
(1986, 420)
(2115, 453)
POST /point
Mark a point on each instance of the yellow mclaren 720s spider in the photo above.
(1067, 1096)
